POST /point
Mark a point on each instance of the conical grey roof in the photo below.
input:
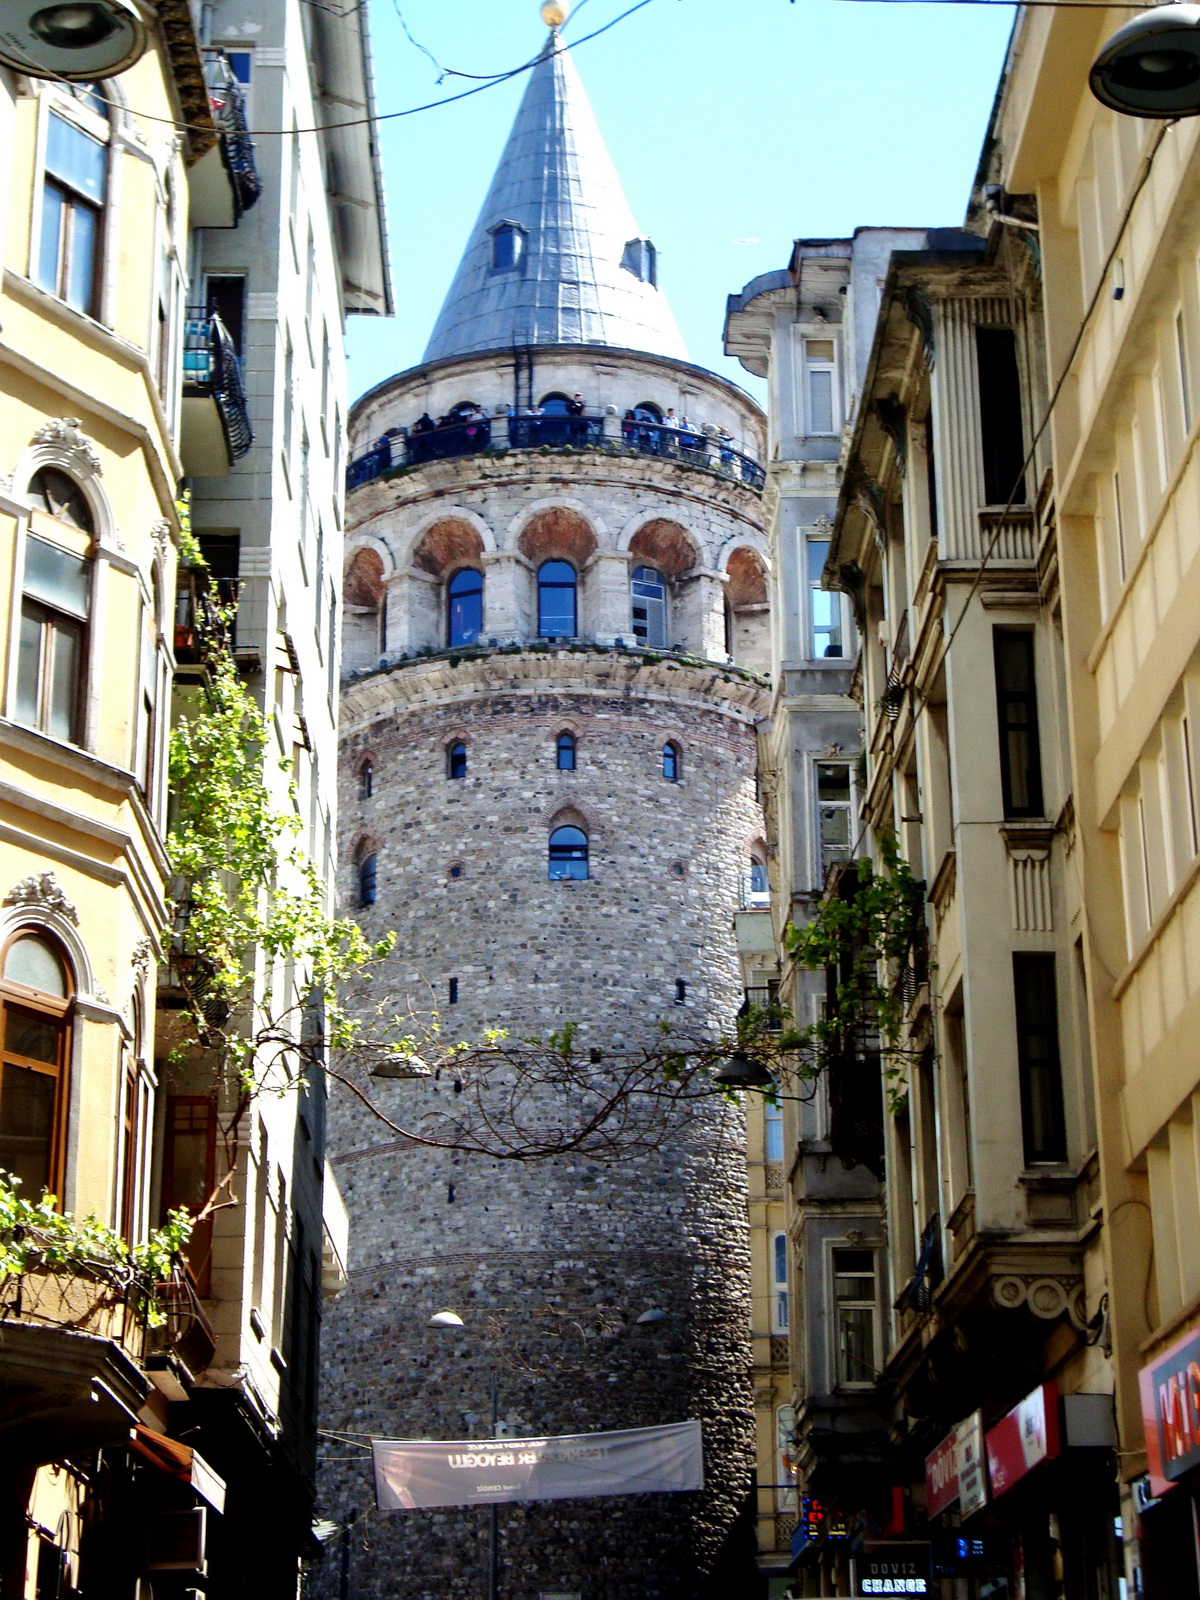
(557, 183)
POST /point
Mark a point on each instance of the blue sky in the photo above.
(736, 126)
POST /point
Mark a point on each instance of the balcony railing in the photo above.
(590, 431)
(211, 371)
(228, 105)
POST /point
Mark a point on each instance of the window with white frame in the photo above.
(820, 394)
(773, 1131)
(834, 803)
(52, 650)
(779, 1283)
(855, 1297)
(785, 1471)
(827, 633)
(67, 252)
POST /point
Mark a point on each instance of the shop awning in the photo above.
(180, 1461)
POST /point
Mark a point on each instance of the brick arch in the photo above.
(665, 544)
(363, 584)
(451, 542)
(747, 578)
(571, 812)
(558, 533)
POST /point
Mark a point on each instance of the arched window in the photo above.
(565, 752)
(60, 496)
(456, 760)
(648, 594)
(52, 659)
(366, 781)
(555, 404)
(556, 600)
(650, 408)
(73, 196)
(568, 853)
(368, 880)
(757, 883)
(464, 601)
(508, 246)
(672, 758)
(779, 1284)
(35, 996)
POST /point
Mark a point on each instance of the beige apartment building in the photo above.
(1116, 206)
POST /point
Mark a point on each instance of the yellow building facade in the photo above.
(1120, 252)
(94, 213)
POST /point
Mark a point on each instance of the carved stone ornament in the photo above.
(143, 954)
(70, 445)
(160, 537)
(41, 891)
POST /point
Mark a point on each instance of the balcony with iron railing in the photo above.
(215, 427)
(591, 430)
(224, 183)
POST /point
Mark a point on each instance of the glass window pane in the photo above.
(856, 1329)
(556, 612)
(29, 665)
(835, 825)
(81, 270)
(75, 157)
(35, 963)
(833, 781)
(774, 1132)
(820, 401)
(568, 854)
(27, 1126)
(819, 349)
(50, 245)
(466, 617)
(189, 1165)
(60, 496)
(64, 679)
(35, 1038)
(56, 576)
(818, 552)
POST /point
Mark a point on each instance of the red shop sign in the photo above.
(941, 1476)
(1170, 1388)
(1023, 1439)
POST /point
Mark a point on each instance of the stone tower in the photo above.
(555, 623)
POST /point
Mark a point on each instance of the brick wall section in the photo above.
(549, 1263)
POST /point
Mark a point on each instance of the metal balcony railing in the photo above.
(591, 430)
(211, 370)
(228, 105)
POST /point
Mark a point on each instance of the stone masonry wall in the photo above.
(548, 1263)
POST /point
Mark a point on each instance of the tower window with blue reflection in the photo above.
(824, 607)
(464, 599)
(508, 246)
(556, 600)
(568, 854)
(565, 752)
(779, 1284)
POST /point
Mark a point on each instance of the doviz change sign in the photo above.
(893, 1569)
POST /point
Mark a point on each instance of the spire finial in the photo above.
(554, 13)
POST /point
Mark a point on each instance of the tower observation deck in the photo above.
(556, 634)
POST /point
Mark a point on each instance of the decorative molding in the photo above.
(41, 891)
(1046, 1297)
(62, 439)
(919, 310)
(1029, 852)
(143, 955)
(160, 538)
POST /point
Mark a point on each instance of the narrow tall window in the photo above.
(368, 880)
(1189, 781)
(564, 747)
(568, 854)
(648, 595)
(779, 1284)
(854, 1296)
(833, 812)
(1042, 1117)
(818, 365)
(672, 760)
(189, 1174)
(53, 645)
(556, 600)
(452, 992)
(1016, 700)
(35, 1002)
(758, 883)
(225, 297)
(1001, 427)
(824, 607)
(1185, 382)
(73, 192)
(366, 781)
(773, 1131)
(508, 247)
(681, 991)
(1119, 518)
(464, 600)
(456, 760)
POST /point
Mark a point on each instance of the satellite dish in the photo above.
(1151, 66)
(78, 40)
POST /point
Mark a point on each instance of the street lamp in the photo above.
(78, 40)
(1151, 66)
(451, 1319)
(743, 1072)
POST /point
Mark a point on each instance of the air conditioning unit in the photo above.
(175, 1541)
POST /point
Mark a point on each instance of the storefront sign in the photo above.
(1170, 1388)
(1023, 1439)
(411, 1473)
(894, 1569)
(955, 1470)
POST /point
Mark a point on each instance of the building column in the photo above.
(606, 586)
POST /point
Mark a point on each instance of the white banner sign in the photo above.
(411, 1473)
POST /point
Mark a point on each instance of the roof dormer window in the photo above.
(508, 246)
(641, 258)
